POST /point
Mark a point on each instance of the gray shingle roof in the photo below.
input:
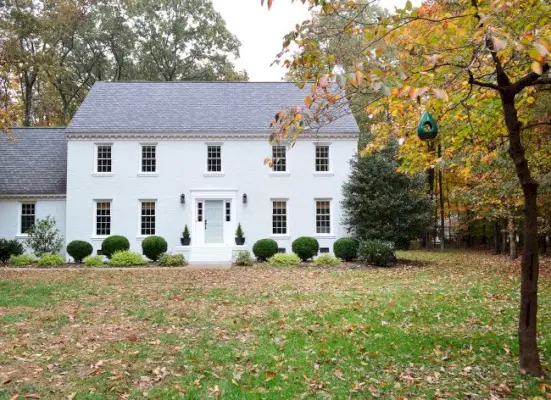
(198, 107)
(36, 163)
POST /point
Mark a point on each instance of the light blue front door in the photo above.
(214, 222)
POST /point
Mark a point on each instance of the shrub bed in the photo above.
(264, 249)
(79, 250)
(113, 244)
(305, 247)
(346, 248)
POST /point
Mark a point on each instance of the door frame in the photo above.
(222, 194)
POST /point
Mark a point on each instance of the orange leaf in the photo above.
(308, 101)
(537, 68)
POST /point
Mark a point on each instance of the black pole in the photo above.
(442, 233)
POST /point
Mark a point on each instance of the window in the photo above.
(323, 216)
(279, 218)
(228, 211)
(322, 158)
(103, 218)
(149, 161)
(104, 158)
(148, 218)
(199, 212)
(214, 158)
(27, 216)
(279, 158)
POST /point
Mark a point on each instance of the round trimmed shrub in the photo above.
(264, 249)
(154, 246)
(79, 250)
(305, 247)
(114, 243)
(346, 248)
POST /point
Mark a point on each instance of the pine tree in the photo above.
(381, 203)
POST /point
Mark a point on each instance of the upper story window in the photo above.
(149, 158)
(27, 216)
(103, 158)
(279, 158)
(148, 218)
(214, 158)
(103, 218)
(279, 217)
(323, 216)
(322, 158)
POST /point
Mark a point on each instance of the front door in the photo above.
(214, 221)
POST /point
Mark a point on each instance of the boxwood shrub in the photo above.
(114, 243)
(154, 246)
(264, 249)
(305, 247)
(22, 260)
(377, 252)
(10, 248)
(126, 259)
(346, 249)
(51, 260)
(79, 250)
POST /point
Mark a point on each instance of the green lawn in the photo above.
(440, 325)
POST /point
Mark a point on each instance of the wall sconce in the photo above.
(183, 198)
(244, 198)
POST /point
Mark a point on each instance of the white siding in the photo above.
(10, 215)
(181, 169)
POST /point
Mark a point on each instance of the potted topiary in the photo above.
(185, 239)
(239, 238)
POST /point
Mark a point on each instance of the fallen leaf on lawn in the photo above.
(338, 373)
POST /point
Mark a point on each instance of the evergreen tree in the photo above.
(381, 203)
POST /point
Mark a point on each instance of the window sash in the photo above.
(323, 216)
(104, 158)
(279, 158)
(149, 158)
(148, 218)
(28, 211)
(214, 158)
(103, 218)
(322, 158)
(279, 217)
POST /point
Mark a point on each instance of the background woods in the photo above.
(52, 51)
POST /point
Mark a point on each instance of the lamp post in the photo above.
(428, 130)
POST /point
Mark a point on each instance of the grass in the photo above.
(442, 325)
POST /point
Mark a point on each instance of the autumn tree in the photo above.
(478, 66)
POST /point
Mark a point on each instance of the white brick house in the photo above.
(149, 158)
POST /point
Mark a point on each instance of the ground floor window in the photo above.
(148, 218)
(279, 217)
(27, 216)
(323, 216)
(103, 218)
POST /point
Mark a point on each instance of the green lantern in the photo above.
(427, 128)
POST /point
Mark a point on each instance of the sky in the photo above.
(261, 31)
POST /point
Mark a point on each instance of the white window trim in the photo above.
(19, 226)
(95, 236)
(214, 173)
(140, 159)
(287, 214)
(95, 172)
(331, 233)
(139, 236)
(330, 171)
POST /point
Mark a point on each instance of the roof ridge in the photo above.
(36, 127)
(171, 82)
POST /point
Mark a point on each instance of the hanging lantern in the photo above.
(427, 128)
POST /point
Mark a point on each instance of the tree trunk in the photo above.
(513, 254)
(503, 239)
(497, 249)
(29, 78)
(529, 360)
